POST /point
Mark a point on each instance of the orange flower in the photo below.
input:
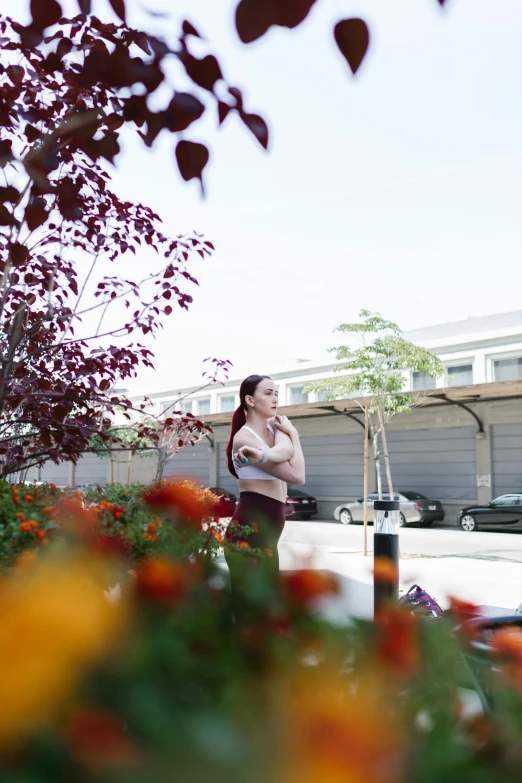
(385, 571)
(463, 611)
(20, 515)
(397, 642)
(98, 738)
(268, 553)
(16, 500)
(26, 527)
(183, 498)
(29, 498)
(305, 586)
(54, 624)
(335, 733)
(150, 534)
(219, 537)
(163, 581)
(78, 495)
(40, 534)
(254, 527)
(49, 511)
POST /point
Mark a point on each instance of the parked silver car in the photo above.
(414, 507)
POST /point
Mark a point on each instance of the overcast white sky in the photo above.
(398, 191)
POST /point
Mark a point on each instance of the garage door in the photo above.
(439, 463)
(225, 479)
(191, 461)
(334, 465)
(506, 445)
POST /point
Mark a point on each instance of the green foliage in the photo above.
(379, 367)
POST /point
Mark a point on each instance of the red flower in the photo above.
(305, 586)
(397, 642)
(29, 498)
(162, 581)
(99, 738)
(183, 498)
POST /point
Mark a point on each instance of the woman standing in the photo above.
(264, 453)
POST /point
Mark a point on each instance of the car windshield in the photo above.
(385, 496)
(413, 495)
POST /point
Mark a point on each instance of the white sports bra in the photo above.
(250, 471)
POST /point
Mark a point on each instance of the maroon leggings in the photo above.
(266, 516)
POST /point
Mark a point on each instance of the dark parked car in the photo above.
(227, 501)
(504, 510)
(299, 504)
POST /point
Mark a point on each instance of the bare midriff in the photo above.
(274, 488)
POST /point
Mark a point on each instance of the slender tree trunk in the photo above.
(129, 467)
(377, 457)
(162, 459)
(365, 480)
(385, 452)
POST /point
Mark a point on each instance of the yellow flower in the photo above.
(54, 623)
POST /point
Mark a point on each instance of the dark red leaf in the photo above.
(352, 37)
(16, 73)
(32, 133)
(36, 214)
(205, 73)
(64, 47)
(118, 6)
(9, 193)
(257, 126)
(85, 6)
(183, 110)
(192, 159)
(45, 13)
(254, 17)
(168, 310)
(189, 29)
(223, 110)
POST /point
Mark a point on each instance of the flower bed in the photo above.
(162, 684)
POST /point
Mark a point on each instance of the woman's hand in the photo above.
(284, 424)
(247, 454)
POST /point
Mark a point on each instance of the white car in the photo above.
(414, 507)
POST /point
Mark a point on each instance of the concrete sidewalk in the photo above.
(494, 586)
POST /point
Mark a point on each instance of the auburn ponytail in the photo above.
(247, 388)
(238, 420)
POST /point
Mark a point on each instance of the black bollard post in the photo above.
(385, 553)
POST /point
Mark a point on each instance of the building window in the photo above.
(227, 403)
(461, 375)
(185, 406)
(321, 396)
(421, 381)
(508, 369)
(204, 406)
(297, 395)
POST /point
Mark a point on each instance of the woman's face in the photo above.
(265, 398)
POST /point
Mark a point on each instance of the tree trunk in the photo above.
(385, 452)
(365, 480)
(377, 457)
(162, 461)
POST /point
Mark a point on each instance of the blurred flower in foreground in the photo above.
(54, 623)
(98, 738)
(385, 570)
(185, 499)
(340, 731)
(304, 586)
(162, 581)
(397, 640)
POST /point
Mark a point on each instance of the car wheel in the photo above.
(468, 523)
(428, 524)
(306, 517)
(345, 517)
(402, 519)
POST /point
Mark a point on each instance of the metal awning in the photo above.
(456, 395)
